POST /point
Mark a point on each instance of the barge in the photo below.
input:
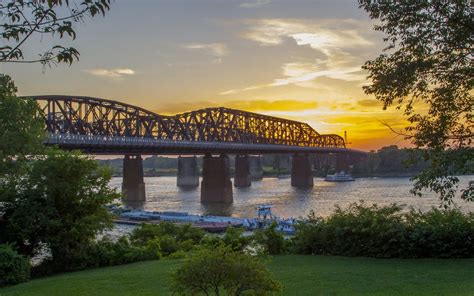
(206, 222)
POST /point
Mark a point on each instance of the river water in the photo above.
(162, 194)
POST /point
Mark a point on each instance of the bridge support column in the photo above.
(133, 186)
(301, 173)
(242, 171)
(188, 173)
(216, 185)
(256, 171)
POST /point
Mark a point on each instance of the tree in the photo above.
(60, 203)
(53, 18)
(222, 271)
(21, 128)
(426, 70)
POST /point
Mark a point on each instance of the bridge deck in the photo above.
(133, 145)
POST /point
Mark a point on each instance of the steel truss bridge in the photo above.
(101, 126)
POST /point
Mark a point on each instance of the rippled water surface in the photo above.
(163, 195)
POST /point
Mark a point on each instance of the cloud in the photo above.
(299, 73)
(255, 4)
(334, 40)
(324, 35)
(111, 73)
(254, 105)
(304, 74)
(217, 50)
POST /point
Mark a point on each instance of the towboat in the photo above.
(339, 177)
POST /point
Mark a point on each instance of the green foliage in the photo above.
(428, 65)
(440, 233)
(14, 268)
(21, 128)
(222, 271)
(103, 253)
(107, 253)
(271, 240)
(54, 18)
(172, 237)
(233, 238)
(387, 232)
(59, 203)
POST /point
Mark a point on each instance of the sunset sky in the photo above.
(297, 59)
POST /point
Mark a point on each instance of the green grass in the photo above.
(300, 275)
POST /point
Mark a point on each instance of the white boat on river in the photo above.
(339, 177)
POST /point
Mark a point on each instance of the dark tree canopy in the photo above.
(60, 203)
(21, 128)
(23, 19)
(427, 70)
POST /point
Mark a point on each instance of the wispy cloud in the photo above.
(255, 4)
(324, 35)
(334, 40)
(217, 50)
(111, 73)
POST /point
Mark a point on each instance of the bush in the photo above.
(14, 268)
(386, 232)
(104, 253)
(441, 233)
(172, 237)
(272, 241)
(221, 270)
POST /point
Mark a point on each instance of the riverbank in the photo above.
(300, 275)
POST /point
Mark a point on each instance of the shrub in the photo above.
(220, 271)
(441, 233)
(104, 253)
(386, 232)
(272, 241)
(14, 268)
(235, 240)
(172, 237)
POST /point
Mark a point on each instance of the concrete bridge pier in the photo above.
(188, 172)
(255, 166)
(133, 186)
(301, 172)
(216, 186)
(242, 171)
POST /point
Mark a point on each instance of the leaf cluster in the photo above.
(54, 18)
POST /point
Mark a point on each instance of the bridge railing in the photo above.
(97, 144)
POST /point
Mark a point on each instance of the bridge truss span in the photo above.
(95, 118)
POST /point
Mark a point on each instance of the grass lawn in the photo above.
(300, 275)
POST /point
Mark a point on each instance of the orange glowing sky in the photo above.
(296, 59)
